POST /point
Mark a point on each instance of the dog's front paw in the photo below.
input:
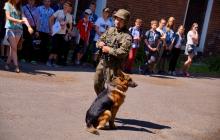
(100, 127)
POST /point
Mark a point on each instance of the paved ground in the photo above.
(47, 104)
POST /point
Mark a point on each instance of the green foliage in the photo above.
(213, 63)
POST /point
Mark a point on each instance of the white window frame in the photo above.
(100, 5)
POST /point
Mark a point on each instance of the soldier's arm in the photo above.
(124, 48)
(101, 42)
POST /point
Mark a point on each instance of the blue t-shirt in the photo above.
(93, 17)
(169, 36)
(152, 37)
(13, 13)
(43, 16)
(135, 32)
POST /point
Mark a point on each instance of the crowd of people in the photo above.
(46, 34)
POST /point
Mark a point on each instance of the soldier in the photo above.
(114, 44)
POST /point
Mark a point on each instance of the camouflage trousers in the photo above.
(103, 74)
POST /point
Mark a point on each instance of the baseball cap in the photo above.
(88, 11)
(106, 10)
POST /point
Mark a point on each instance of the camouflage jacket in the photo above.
(120, 43)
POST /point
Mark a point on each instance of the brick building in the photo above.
(205, 12)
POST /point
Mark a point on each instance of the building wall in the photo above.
(213, 35)
(149, 10)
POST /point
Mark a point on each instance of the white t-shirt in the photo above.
(63, 19)
(190, 34)
(162, 31)
(103, 25)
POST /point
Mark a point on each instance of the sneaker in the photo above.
(49, 64)
(17, 70)
(23, 60)
(55, 65)
(33, 62)
(174, 73)
(161, 72)
(140, 70)
(150, 73)
(7, 67)
(77, 62)
(170, 73)
(186, 74)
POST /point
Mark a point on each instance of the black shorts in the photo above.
(57, 43)
(153, 54)
(81, 47)
(166, 54)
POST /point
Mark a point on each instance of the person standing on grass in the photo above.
(92, 18)
(176, 49)
(84, 27)
(28, 52)
(168, 40)
(136, 33)
(101, 25)
(14, 30)
(43, 15)
(59, 45)
(191, 46)
(162, 30)
(152, 42)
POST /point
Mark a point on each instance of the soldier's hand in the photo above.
(106, 49)
(101, 44)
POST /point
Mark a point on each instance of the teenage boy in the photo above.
(136, 33)
(101, 25)
(152, 42)
(84, 27)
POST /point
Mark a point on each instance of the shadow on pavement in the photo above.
(129, 124)
(42, 69)
(131, 128)
(162, 76)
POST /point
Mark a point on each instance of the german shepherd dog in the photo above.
(107, 103)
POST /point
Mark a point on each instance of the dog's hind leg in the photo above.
(103, 119)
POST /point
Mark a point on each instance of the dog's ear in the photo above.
(120, 73)
(115, 80)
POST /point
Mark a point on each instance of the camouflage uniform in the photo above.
(120, 43)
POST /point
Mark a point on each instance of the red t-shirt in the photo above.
(84, 29)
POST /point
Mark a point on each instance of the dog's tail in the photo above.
(92, 130)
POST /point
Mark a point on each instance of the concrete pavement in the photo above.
(50, 104)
